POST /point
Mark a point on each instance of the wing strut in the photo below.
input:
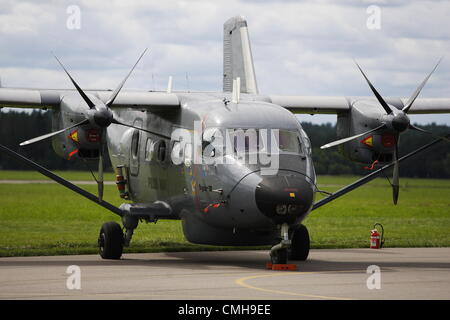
(62, 181)
(372, 175)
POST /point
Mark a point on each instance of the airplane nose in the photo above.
(284, 199)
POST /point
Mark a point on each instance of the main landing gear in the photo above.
(110, 241)
(293, 244)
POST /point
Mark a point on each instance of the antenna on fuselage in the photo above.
(169, 85)
(187, 82)
(236, 94)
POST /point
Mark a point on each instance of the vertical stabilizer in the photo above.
(237, 56)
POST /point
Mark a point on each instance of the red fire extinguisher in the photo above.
(376, 240)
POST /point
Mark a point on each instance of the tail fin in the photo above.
(237, 56)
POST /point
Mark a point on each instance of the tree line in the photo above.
(18, 126)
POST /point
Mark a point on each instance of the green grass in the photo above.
(421, 218)
(34, 175)
(47, 219)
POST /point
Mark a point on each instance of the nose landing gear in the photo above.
(292, 245)
(279, 252)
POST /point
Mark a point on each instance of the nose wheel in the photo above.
(300, 243)
(292, 245)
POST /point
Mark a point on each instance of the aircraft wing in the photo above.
(334, 105)
(51, 98)
(28, 98)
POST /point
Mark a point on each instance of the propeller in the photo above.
(395, 121)
(396, 173)
(99, 115)
(100, 171)
(337, 142)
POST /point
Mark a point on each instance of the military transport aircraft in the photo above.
(234, 166)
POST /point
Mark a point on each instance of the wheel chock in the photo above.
(285, 267)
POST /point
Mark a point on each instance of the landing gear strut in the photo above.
(279, 252)
(293, 244)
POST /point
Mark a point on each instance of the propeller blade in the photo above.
(119, 87)
(81, 92)
(419, 88)
(100, 173)
(375, 92)
(337, 142)
(396, 176)
(51, 134)
(413, 127)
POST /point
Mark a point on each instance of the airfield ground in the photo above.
(47, 219)
(338, 274)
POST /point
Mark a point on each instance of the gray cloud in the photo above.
(299, 47)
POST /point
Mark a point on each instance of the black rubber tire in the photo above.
(300, 244)
(110, 241)
(280, 257)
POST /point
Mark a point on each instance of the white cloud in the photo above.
(302, 47)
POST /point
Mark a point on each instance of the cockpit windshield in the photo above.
(218, 141)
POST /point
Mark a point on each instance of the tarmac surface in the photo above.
(405, 273)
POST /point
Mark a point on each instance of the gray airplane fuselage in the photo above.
(233, 203)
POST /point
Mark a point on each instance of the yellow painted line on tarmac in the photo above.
(243, 282)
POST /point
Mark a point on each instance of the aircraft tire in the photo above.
(110, 241)
(300, 244)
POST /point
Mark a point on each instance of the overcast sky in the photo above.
(299, 47)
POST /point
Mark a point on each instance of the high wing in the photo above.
(29, 98)
(335, 105)
(51, 98)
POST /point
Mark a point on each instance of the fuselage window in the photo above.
(135, 144)
(177, 153)
(149, 150)
(161, 150)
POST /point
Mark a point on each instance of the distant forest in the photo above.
(17, 126)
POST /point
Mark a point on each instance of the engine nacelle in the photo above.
(377, 146)
(82, 141)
